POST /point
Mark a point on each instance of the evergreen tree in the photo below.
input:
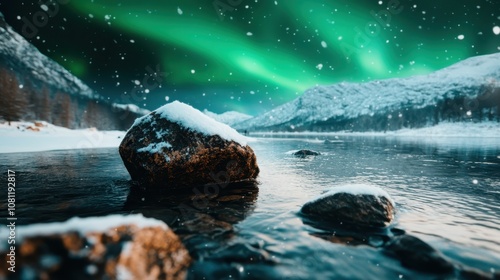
(44, 109)
(66, 111)
(14, 102)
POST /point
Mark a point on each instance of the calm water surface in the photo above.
(447, 193)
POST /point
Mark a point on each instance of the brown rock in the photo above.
(156, 254)
(352, 209)
(162, 153)
(150, 252)
(39, 124)
(33, 128)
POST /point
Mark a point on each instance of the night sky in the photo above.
(256, 54)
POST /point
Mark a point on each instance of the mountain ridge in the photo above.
(34, 87)
(338, 106)
(30, 60)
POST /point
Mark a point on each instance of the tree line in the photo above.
(24, 101)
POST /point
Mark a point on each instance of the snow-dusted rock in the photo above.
(358, 204)
(111, 247)
(177, 146)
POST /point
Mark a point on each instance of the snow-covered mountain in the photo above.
(132, 108)
(41, 89)
(230, 118)
(468, 89)
(23, 58)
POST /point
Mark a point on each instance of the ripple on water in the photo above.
(431, 183)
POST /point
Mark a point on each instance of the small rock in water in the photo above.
(416, 254)
(359, 205)
(304, 153)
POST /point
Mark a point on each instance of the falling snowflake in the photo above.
(461, 37)
(496, 30)
(323, 44)
(319, 66)
(179, 11)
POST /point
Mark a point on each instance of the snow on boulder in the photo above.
(111, 247)
(357, 204)
(177, 146)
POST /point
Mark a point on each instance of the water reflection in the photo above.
(446, 194)
(203, 217)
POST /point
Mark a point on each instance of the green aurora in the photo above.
(253, 55)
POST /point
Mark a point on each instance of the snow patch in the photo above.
(28, 137)
(84, 225)
(193, 119)
(122, 273)
(357, 189)
(155, 147)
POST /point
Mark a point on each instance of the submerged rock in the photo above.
(304, 153)
(359, 205)
(416, 254)
(123, 247)
(177, 146)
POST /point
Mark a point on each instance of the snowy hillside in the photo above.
(34, 87)
(43, 136)
(132, 108)
(230, 118)
(18, 54)
(401, 102)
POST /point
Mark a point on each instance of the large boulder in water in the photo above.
(177, 146)
(111, 247)
(360, 205)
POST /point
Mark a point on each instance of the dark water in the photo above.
(447, 193)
